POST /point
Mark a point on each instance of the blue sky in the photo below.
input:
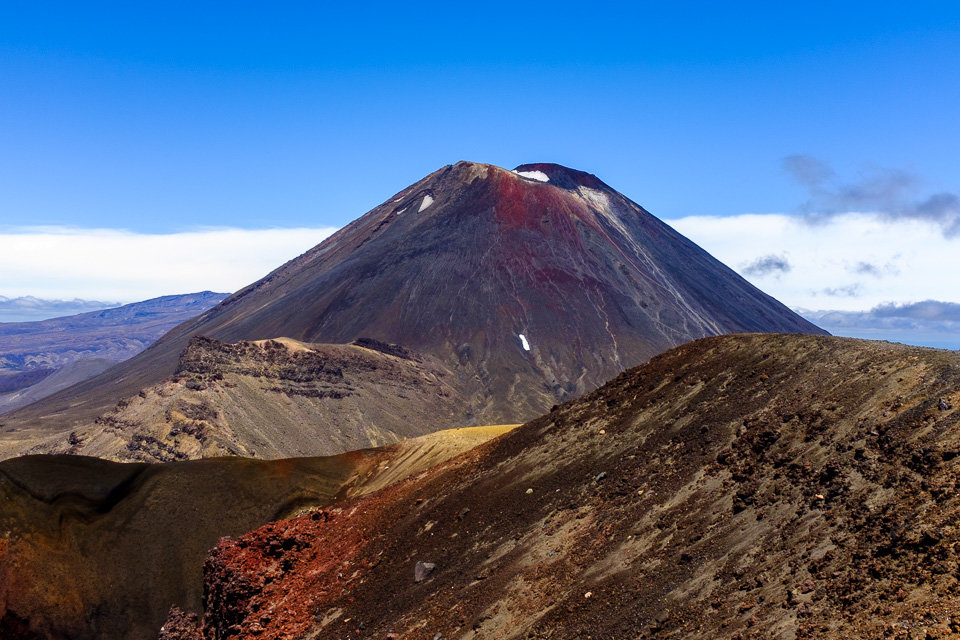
(150, 149)
(170, 116)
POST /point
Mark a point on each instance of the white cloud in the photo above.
(850, 262)
(862, 260)
(108, 264)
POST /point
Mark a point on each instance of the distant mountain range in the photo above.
(42, 357)
(30, 308)
(929, 323)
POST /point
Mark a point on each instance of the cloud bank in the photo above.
(106, 264)
(854, 274)
(926, 323)
(888, 193)
(767, 265)
(848, 262)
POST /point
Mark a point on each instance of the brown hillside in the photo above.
(738, 487)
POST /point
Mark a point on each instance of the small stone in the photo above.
(588, 595)
(600, 476)
(943, 405)
(603, 432)
(529, 491)
(463, 513)
(422, 569)
(437, 635)
(819, 496)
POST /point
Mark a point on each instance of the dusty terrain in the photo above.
(530, 291)
(737, 487)
(96, 549)
(269, 399)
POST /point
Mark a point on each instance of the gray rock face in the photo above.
(422, 570)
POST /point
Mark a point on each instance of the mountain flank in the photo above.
(746, 486)
(49, 381)
(531, 286)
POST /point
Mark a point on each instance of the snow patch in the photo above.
(523, 342)
(539, 176)
(427, 201)
(401, 211)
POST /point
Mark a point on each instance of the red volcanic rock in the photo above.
(267, 583)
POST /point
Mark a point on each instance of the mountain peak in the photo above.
(559, 175)
(551, 173)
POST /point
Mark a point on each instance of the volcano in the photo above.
(531, 286)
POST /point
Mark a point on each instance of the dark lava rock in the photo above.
(825, 543)
(180, 626)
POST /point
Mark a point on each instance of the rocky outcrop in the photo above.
(181, 626)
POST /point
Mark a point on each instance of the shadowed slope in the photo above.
(737, 487)
(96, 549)
(459, 266)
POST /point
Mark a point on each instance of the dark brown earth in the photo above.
(96, 549)
(457, 267)
(271, 399)
(738, 487)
